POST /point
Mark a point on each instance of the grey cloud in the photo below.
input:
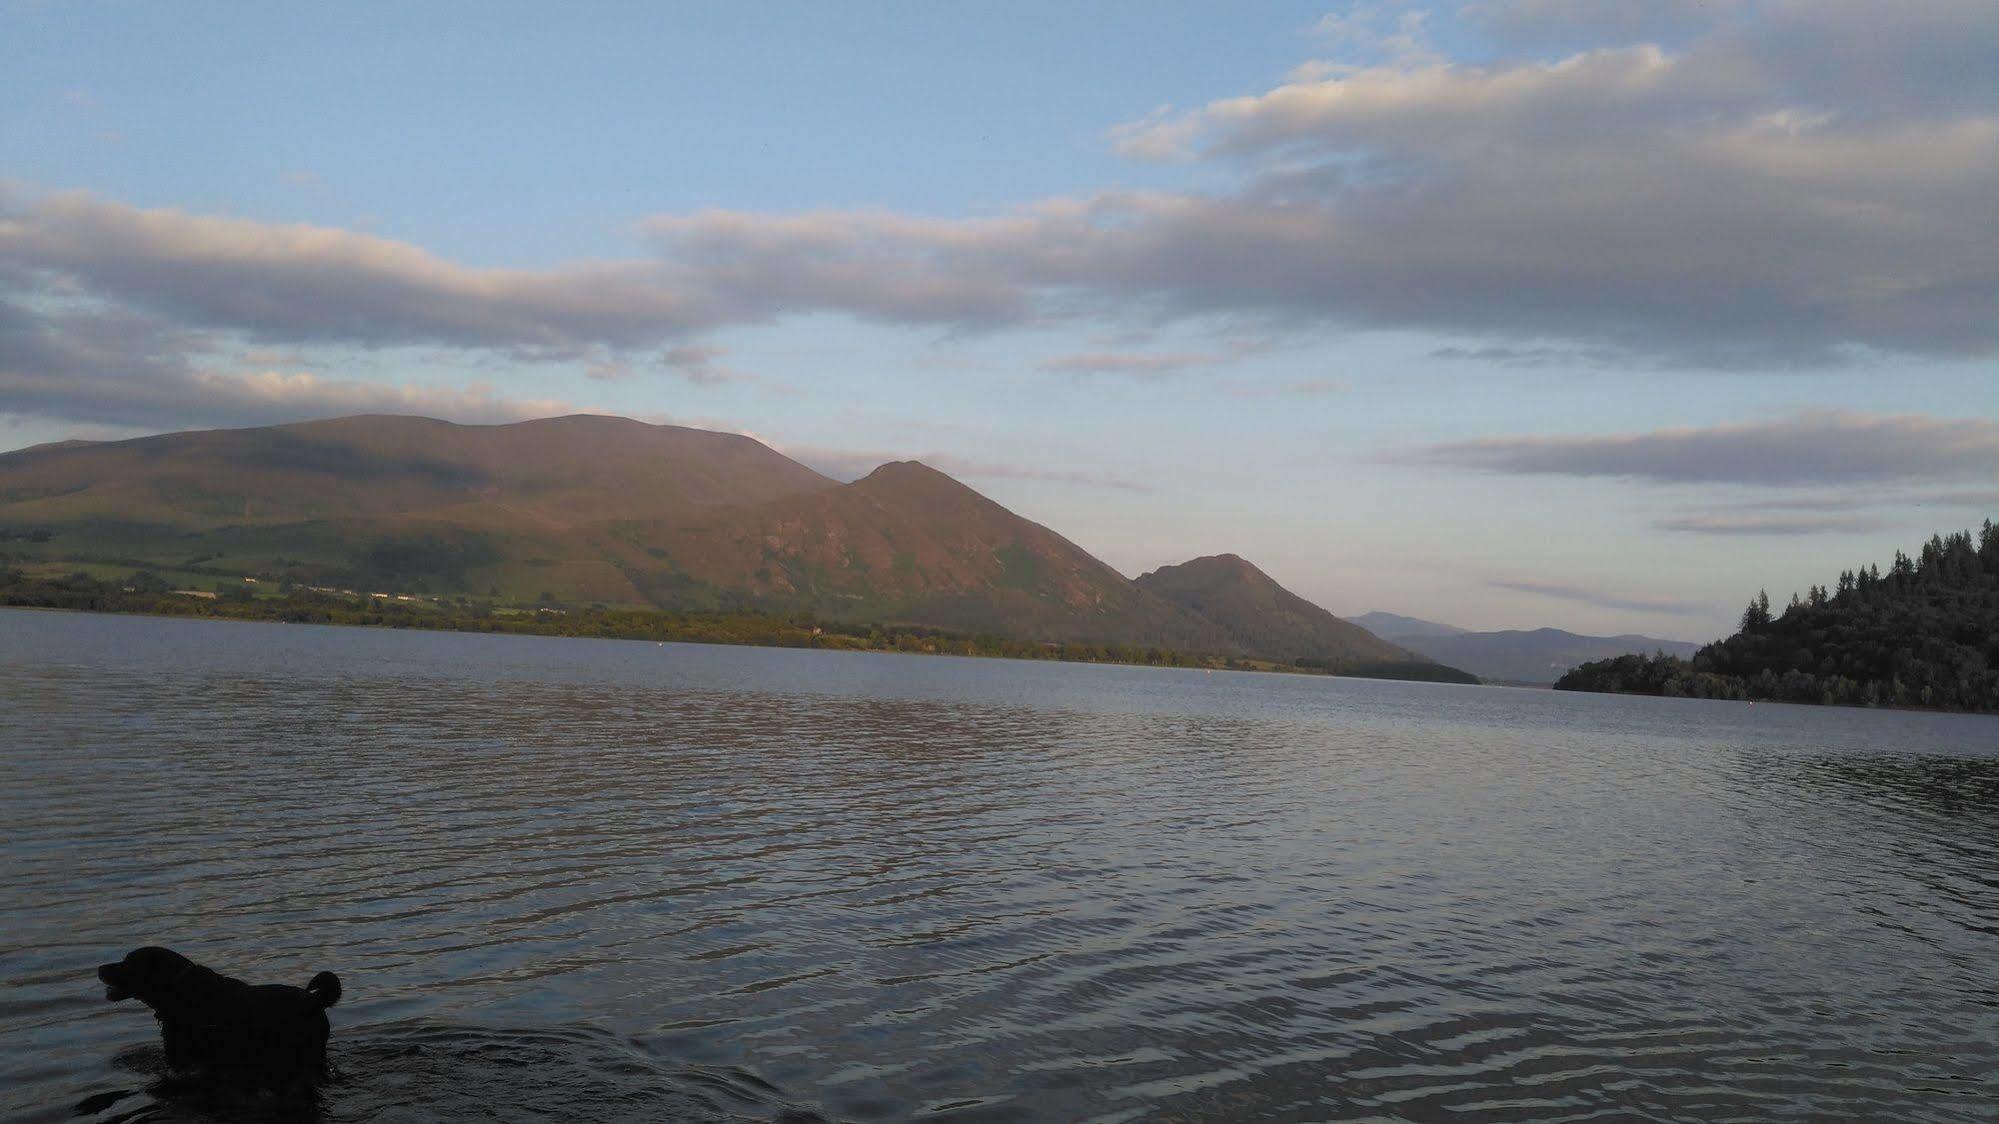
(872, 265)
(1286, 388)
(1598, 598)
(1985, 498)
(302, 284)
(1746, 239)
(1153, 363)
(212, 399)
(1774, 524)
(1812, 448)
(1872, 498)
(91, 342)
(1795, 184)
(1539, 357)
(701, 364)
(117, 368)
(1745, 200)
(1143, 363)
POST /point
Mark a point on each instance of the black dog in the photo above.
(223, 1030)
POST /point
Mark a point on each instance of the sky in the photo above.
(1507, 313)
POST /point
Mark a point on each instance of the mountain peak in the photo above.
(906, 470)
(51, 447)
(1248, 603)
(913, 479)
(1210, 568)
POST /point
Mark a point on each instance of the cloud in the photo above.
(217, 399)
(1821, 447)
(1760, 183)
(299, 284)
(699, 364)
(1889, 498)
(1152, 363)
(1629, 203)
(1288, 388)
(1161, 135)
(118, 368)
(1141, 363)
(869, 264)
(1737, 524)
(1536, 357)
(1597, 598)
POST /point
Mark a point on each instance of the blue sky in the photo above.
(1509, 313)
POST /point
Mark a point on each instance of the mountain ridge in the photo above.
(1536, 656)
(1246, 602)
(593, 508)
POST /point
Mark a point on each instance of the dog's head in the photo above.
(147, 974)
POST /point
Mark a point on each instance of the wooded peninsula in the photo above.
(1923, 633)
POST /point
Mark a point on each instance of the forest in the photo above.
(1923, 633)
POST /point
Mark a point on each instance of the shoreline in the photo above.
(720, 629)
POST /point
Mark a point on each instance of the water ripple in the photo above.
(602, 881)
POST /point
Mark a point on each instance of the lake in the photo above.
(606, 880)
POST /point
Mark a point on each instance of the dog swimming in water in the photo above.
(269, 1037)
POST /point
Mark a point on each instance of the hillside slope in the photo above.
(1252, 610)
(908, 544)
(398, 503)
(1924, 633)
(589, 509)
(579, 509)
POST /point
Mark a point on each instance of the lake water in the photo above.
(598, 880)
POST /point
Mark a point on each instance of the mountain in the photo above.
(1537, 656)
(611, 510)
(1923, 634)
(392, 502)
(909, 544)
(553, 472)
(1395, 627)
(1254, 612)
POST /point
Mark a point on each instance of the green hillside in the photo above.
(1252, 611)
(608, 511)
(1924, 633)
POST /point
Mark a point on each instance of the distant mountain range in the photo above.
(1537, 656)
(1393, 625)
(599, 509)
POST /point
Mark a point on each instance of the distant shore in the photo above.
(81, 593)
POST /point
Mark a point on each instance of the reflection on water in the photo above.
(623, 881)
(418, 1071)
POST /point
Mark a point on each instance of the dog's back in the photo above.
(270, 1036)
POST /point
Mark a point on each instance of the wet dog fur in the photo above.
(222, 1030)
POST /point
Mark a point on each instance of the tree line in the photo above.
(1922, 633)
